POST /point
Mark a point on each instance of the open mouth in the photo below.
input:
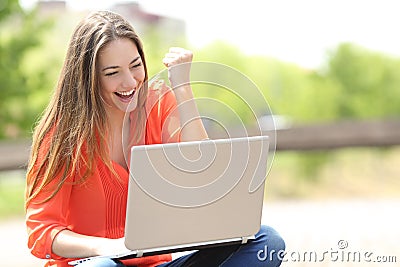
(126, 95)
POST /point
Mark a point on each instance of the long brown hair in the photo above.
(75, 119)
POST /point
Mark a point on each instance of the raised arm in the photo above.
(178, 61)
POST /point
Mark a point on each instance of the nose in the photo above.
(129, 82)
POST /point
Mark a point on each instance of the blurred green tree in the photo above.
(20, 31)
(369, 82)
(237, 99)
(356, 84)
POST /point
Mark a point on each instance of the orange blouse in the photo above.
(96, 207)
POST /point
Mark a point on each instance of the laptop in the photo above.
(193, 195)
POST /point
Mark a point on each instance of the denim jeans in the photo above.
(266, 250)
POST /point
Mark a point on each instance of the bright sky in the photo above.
(298, 31)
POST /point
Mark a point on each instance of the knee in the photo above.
(269, 237)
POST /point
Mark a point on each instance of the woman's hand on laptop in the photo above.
(69, 244)
(110, 246)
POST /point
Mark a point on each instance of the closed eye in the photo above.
(136, 65)
(111, 73)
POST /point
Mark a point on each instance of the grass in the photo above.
(12, 189)
(346, 173)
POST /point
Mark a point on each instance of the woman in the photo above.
(77, 175)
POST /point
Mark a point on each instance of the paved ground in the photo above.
(335, 233)
(326, 233)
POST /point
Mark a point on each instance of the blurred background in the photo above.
(329, 70)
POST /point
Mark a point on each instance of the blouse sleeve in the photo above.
(44, 220)
(163, 115)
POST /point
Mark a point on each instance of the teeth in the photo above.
(126, 93)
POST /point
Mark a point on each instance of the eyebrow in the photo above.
(115, 67)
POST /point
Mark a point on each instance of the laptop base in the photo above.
(169, 249)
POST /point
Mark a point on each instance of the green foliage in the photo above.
(8, 7)
(237, 97)
(12, 188)
(310, 163)
(356, 83)
(20, 32)
(155, 46)
(369, 82)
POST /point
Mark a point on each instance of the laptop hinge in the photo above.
(139, 253)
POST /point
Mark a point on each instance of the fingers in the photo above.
(177, 55)
(178, 61)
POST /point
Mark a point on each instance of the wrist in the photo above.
(183, 93)
(100, 246)
(179, 83)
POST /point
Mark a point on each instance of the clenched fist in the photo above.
(178, 61)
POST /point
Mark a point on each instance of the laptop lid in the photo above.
(190, 194)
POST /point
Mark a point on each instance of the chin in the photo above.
(130, 107)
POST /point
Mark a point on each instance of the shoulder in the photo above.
(159, 95)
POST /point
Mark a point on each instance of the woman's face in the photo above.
(122, 75)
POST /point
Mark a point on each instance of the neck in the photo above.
(119, 135)
(116, 120)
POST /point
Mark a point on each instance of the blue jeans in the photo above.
(266, 250)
